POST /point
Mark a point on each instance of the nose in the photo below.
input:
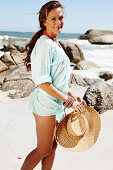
(58, 22)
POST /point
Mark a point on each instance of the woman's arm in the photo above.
(54, 92)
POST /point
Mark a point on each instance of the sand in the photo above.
(18, 138)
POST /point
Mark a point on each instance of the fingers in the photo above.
(78, 101)
(81, 100)
(77, 106)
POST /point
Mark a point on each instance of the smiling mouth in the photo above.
(58, 27)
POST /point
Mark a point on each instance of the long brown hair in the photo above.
(46, 8)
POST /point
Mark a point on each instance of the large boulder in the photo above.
(98, 36)
(15, 73)
(100, 96)
(18, 79)
(24, 87)
(102, 40)
(72, 50)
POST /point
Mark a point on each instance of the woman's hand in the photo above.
(80, 100)
(77, 106)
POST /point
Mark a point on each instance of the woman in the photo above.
(50, 73)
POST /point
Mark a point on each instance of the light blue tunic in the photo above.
(49, 63)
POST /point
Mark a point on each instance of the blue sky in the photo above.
(80, 15)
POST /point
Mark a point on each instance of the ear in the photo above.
(44, 22)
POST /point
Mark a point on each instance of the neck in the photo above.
(54, 38)
(51, 35)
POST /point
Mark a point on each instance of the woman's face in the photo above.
(55, 21)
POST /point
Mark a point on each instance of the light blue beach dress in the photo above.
(49, 63)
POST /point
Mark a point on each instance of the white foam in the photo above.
(101, 55)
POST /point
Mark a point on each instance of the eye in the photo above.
(53, 19)
(61, 18)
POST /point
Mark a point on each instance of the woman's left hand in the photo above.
(80, 100)
(77, 98)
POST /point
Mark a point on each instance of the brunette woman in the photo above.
(49, 66)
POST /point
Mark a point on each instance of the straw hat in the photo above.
(78, 132)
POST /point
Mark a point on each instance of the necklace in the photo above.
(45, 33)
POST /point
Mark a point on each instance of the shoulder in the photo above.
(44, 42)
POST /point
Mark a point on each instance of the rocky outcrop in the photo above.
(98, 36)
(85, 65)
(72, 50)
(100, 96)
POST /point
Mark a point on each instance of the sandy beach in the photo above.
(18, 138)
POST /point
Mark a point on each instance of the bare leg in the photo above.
(47, 162)
(45, 128)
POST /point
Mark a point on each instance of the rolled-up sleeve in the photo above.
(41, 58)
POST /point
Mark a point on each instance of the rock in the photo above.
(72, 50)
(98, 36)
(6, 59)
(76, 80)
(20, 49)
(24, 87)
(18, 73)
(13, 47)
(85, 65)
(100, 96)
(79, 80)
(89, 82)
(3, 67)
(102, 40)
(106, 75)
(18, 95)
(18, 79)
(8, 47)
(17, 56)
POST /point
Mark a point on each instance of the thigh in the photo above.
(45, 130)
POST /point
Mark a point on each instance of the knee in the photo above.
(43, 152)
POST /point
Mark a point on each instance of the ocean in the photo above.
(102, 55)
(22, 38)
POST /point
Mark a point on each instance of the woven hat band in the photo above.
(76, 126)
